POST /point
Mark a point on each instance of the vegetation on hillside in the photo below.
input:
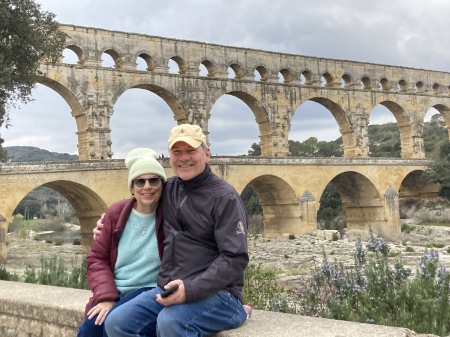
(27, 35)
(34, 154)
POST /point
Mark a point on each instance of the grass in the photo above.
(439, 224)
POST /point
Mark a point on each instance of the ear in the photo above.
(208, 154)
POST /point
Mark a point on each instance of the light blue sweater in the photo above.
(138, 260)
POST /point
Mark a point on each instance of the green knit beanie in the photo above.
(143, 161)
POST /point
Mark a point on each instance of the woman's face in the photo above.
(147, 190)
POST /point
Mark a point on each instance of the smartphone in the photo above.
(169, 291)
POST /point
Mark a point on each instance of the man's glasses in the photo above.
(140, 182)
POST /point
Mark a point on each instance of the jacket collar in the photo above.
(196, 181)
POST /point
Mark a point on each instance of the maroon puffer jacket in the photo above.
(102, 256)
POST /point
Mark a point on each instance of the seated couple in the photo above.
(189, 231)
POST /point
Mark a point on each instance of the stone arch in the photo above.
(347, 80)
(345, 127)
(420, 87)
(182, 65)
(180, 113)
(78, 51)
(437, 89)
(238, 70)
(261, 117)
(148, 59)
(402, 86)
(287, 75)
(76, 105)
(406, 129)
(210, 66)
(329, 79)
(445, 113)
(414, 186)
(366, 82)
(116, 56)
(280, 206)
(362, 202)
(309, 77)
(88, 205)
(263, 72)
(385, 85)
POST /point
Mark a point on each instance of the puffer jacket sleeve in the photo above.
(100, 272)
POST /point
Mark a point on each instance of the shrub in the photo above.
(262, 291)
(76, 242)
(406, 228)
(374, 292)
(335, 236)
(409, 249)
(438, 245)
(7, 276)
(291, 237)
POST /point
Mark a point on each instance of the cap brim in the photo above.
(188, 140)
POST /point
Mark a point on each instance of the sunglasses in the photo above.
(140, 182)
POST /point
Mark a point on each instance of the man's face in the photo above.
(188, 162)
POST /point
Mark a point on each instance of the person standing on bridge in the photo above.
(124, 259)
(205, 252)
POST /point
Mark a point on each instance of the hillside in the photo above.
(31, 153)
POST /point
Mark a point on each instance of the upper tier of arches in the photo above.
(245, 64)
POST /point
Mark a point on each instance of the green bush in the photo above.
(262, 291)
(53, 271)
(438, 245)
(409, 249)
(291, 237)
(406, 228)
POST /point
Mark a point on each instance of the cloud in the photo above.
(409, 33)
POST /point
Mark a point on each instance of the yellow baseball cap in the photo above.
(190, 134)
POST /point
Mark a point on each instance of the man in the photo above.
(205, 252)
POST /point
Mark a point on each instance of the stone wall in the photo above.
(44, 311)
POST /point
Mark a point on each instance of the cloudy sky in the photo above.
(411, 33)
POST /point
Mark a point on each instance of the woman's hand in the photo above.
(99, 225)
(100, 309)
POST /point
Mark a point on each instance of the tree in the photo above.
(255, 151)
(27, 35)
(439, 171)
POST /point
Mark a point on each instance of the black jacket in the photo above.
(205, 225)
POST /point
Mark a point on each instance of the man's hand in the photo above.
(100, 309)
(97, 230)
(179, 296)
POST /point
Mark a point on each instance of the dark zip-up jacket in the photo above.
(205, 225)
(102, 256)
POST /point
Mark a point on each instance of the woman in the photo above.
(124, 259)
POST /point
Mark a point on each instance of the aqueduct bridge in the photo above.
(289, 189)
(349, 90)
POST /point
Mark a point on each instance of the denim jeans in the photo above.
(88, 327)
(143, 316)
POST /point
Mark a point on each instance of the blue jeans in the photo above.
(89, 329)
(143, 316)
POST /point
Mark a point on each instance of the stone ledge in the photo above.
(35, 310)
